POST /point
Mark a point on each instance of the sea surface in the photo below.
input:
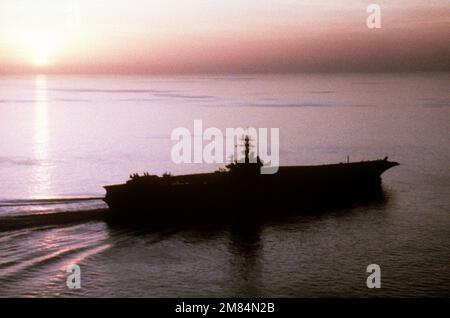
(62, 138)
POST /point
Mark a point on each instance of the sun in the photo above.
(40, 58)
(40, 47)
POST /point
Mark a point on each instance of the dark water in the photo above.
(63, 138)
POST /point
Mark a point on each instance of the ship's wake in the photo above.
(20, 214)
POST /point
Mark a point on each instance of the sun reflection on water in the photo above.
(41, 171)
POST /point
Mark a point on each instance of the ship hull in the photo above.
(226, 195)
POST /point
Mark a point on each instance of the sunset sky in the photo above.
(233, 36)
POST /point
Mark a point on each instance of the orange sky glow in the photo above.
(208, 36)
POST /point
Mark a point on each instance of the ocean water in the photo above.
(62, 138)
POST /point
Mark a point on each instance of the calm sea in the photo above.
(62, 138)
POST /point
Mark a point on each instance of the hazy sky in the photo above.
(233, 36)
